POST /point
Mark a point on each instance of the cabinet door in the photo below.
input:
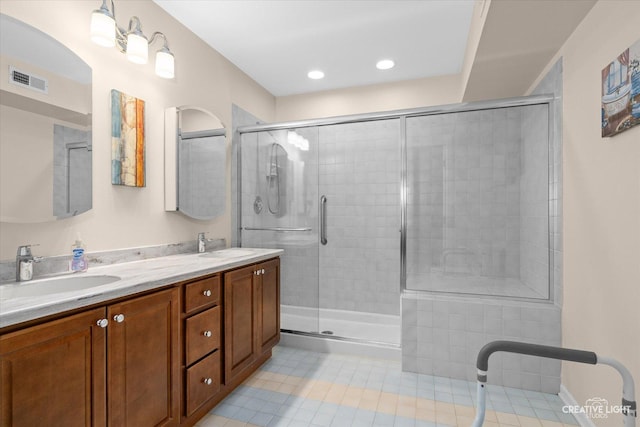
(240, 320)
(269, 307)
(54, 373)
(143, 361)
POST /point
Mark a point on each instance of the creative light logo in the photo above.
(596, 407)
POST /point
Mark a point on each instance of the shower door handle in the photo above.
(323, 220)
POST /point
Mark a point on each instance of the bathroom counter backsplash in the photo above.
(135, 276)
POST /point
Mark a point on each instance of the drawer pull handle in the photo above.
(103, 323)
(119, 318)
(207, 381)
(207, 334)
(207, 293)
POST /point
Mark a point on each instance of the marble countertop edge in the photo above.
(135, 277)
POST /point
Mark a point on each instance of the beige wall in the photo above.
(478, 19)
(127, 217)
(367, 99)
(601, 309)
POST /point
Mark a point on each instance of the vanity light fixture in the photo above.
(132, 42)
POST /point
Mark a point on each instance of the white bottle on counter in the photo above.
(78, 261)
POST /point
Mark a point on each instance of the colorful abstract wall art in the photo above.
(127, 140)
(621, 92)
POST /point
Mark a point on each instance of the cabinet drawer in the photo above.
(202, 294)
(202, 334)
(203, 381)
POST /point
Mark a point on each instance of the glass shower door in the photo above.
(359, 181)
(478, 202)
(279, 208)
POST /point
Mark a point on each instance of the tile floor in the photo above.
(299, 388)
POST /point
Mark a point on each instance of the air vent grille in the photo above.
(21, 78)
(31, 81)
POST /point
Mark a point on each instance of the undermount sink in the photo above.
(56, 285)
(229, 253)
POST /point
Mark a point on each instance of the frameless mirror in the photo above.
(45, 127)
(195, 163)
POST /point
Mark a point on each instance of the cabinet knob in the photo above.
(207, 334)
(262, 271)
(207, 381)
(103, 323)
(119, 318)
(207, 293)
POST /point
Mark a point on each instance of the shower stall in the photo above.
(450, 200)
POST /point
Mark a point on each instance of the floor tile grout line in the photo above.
(299, 379)
(502, 398)
(312, 384)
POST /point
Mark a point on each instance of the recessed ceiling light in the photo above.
(315, 74)
(385, 64)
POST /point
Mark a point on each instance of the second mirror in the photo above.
(195, 162)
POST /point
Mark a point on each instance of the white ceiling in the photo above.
(277, 42)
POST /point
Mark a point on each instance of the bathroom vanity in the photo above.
(142, 352)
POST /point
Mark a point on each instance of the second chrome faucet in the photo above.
(24, 263)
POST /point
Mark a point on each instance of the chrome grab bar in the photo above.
(323, 220)
(275, 229)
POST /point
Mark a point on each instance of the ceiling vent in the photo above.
(31, 81)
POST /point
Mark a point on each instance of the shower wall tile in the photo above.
(71, 172)
(450, 347)
(534, 202)
(552, 84)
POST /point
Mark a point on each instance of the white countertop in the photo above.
(135, 277)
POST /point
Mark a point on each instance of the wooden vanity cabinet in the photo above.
(202, 342)
(160, 359)
(143, 361)
(269, 305)
(73, 372)
(251, 314)
(54, 373)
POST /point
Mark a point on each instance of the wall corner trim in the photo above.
(569, 400)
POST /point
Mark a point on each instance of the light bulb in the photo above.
(165, 64)
(137, 48)
(103, 28)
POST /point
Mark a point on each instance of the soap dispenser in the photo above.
(78, 256)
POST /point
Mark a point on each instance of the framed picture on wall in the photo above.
(127, 140)
(621, 92)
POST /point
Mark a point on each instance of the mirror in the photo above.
(195, 163)
(45, 127)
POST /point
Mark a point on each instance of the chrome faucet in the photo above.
(202, 243)
(24, 263)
